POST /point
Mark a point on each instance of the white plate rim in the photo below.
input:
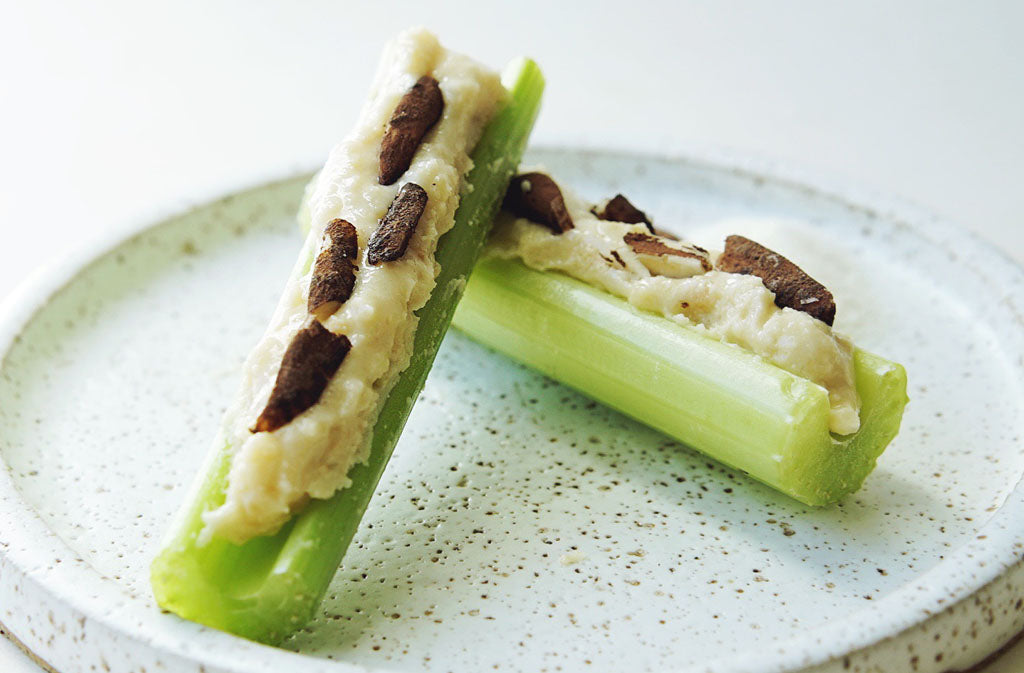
(970, 568)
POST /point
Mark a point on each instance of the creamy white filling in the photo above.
(734, 308)
(274, 473)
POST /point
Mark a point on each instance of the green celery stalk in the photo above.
(269, 586)
(721, 400)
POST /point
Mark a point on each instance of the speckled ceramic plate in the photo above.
(521, 526)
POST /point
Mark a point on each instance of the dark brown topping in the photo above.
(645, 244)
(309, 362)
(334, 274)
(614, 260)
(536, 197)
(792, 287)
(619, 209)
(417, 112)
(391, 239)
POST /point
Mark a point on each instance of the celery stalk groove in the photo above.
(726, 402)
(269, 586)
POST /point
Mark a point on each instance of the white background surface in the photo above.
(111, 112)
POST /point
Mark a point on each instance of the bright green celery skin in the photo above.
(270, 586)
(726, 402)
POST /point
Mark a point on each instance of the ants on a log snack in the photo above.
(731, 353)
(327, 390)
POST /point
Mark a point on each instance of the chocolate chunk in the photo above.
(536, 197)
(309, 362)
(334, 274)
(417, 112)
(792, 287)
(653, 246)
(391, 239)
(619, 209)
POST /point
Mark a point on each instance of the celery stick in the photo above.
(717, 398)
(270, 586)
